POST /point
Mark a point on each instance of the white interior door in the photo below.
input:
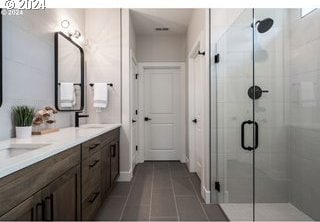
(134, 111)
(161, 111)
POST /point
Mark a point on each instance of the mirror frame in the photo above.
(1, 63)
(56, 72)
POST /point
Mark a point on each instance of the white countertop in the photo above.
(57, 142)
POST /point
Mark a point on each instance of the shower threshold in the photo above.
(264, 212)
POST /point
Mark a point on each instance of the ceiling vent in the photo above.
(162, 29)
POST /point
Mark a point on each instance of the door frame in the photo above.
(141, 114)
(199, 45)
(132, 146)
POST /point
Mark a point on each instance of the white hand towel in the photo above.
(100, 98)
(307, 94)
(67, 95)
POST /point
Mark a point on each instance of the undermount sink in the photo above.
(92, 127)
(17, 149)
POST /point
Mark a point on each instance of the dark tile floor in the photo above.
(159, 191)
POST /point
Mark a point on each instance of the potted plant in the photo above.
(23, 119)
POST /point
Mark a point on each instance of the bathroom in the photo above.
(203, 114)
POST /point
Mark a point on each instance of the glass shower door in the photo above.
(232, 76)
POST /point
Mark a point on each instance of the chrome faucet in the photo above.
(78, 116)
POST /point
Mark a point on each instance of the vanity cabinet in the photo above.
(48, 190)
(91, 178)
(61, 198)
(68, 186)
(28, 210)
(100, 168)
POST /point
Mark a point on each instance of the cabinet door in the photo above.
(62, 197)
(105, 171)
(28, 210)
(114, 149)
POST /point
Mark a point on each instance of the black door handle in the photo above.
(256, 126)
(195, 120)
(134, 121)
(147, 118)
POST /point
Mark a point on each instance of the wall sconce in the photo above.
(73, 33)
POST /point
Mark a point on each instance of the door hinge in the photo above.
(136, 112)
(137, 148)
(217, 58)
(201, 53)
(217, 186)
(137, 74)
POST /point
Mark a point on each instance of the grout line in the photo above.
(151, 191)
(174, 194)
(198, 198)
(129, 193)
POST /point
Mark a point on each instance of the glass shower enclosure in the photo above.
(265, 116)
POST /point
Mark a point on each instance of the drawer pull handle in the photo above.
(113, 150)
(94, 197)
(94, 163)
(50, 208)
(39, 212)
(94, 146)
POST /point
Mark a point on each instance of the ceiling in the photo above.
(146, 20)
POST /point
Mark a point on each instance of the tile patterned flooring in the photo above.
(159, 191)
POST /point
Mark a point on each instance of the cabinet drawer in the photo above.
(90, 147)
(91, 204)
(91, 174)
(110, 136)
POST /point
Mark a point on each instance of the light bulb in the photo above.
(65, 24)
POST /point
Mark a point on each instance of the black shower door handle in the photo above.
(243, 135)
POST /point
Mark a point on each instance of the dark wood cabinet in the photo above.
(62, 197)
(114, 149)
(105, 170)
(68, 186)
(29, 210)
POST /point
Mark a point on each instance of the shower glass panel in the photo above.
(232, 76)
(265, 93)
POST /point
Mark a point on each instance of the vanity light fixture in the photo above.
(73, 33)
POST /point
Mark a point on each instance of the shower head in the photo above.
(264, 25)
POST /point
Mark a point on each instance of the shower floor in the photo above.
(264, 212)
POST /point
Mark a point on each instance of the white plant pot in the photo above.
(23, 132)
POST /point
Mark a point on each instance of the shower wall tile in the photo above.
(304, 129)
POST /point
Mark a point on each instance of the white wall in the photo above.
(161, 48)
(104, 61)
(199, 24)
(125, 153)
(132, 37)
(28, 62)
(107, 60)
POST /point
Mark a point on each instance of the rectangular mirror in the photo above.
(69, 74)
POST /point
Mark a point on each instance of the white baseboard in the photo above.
(125, 176)
(187, 162)
(206, 195)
